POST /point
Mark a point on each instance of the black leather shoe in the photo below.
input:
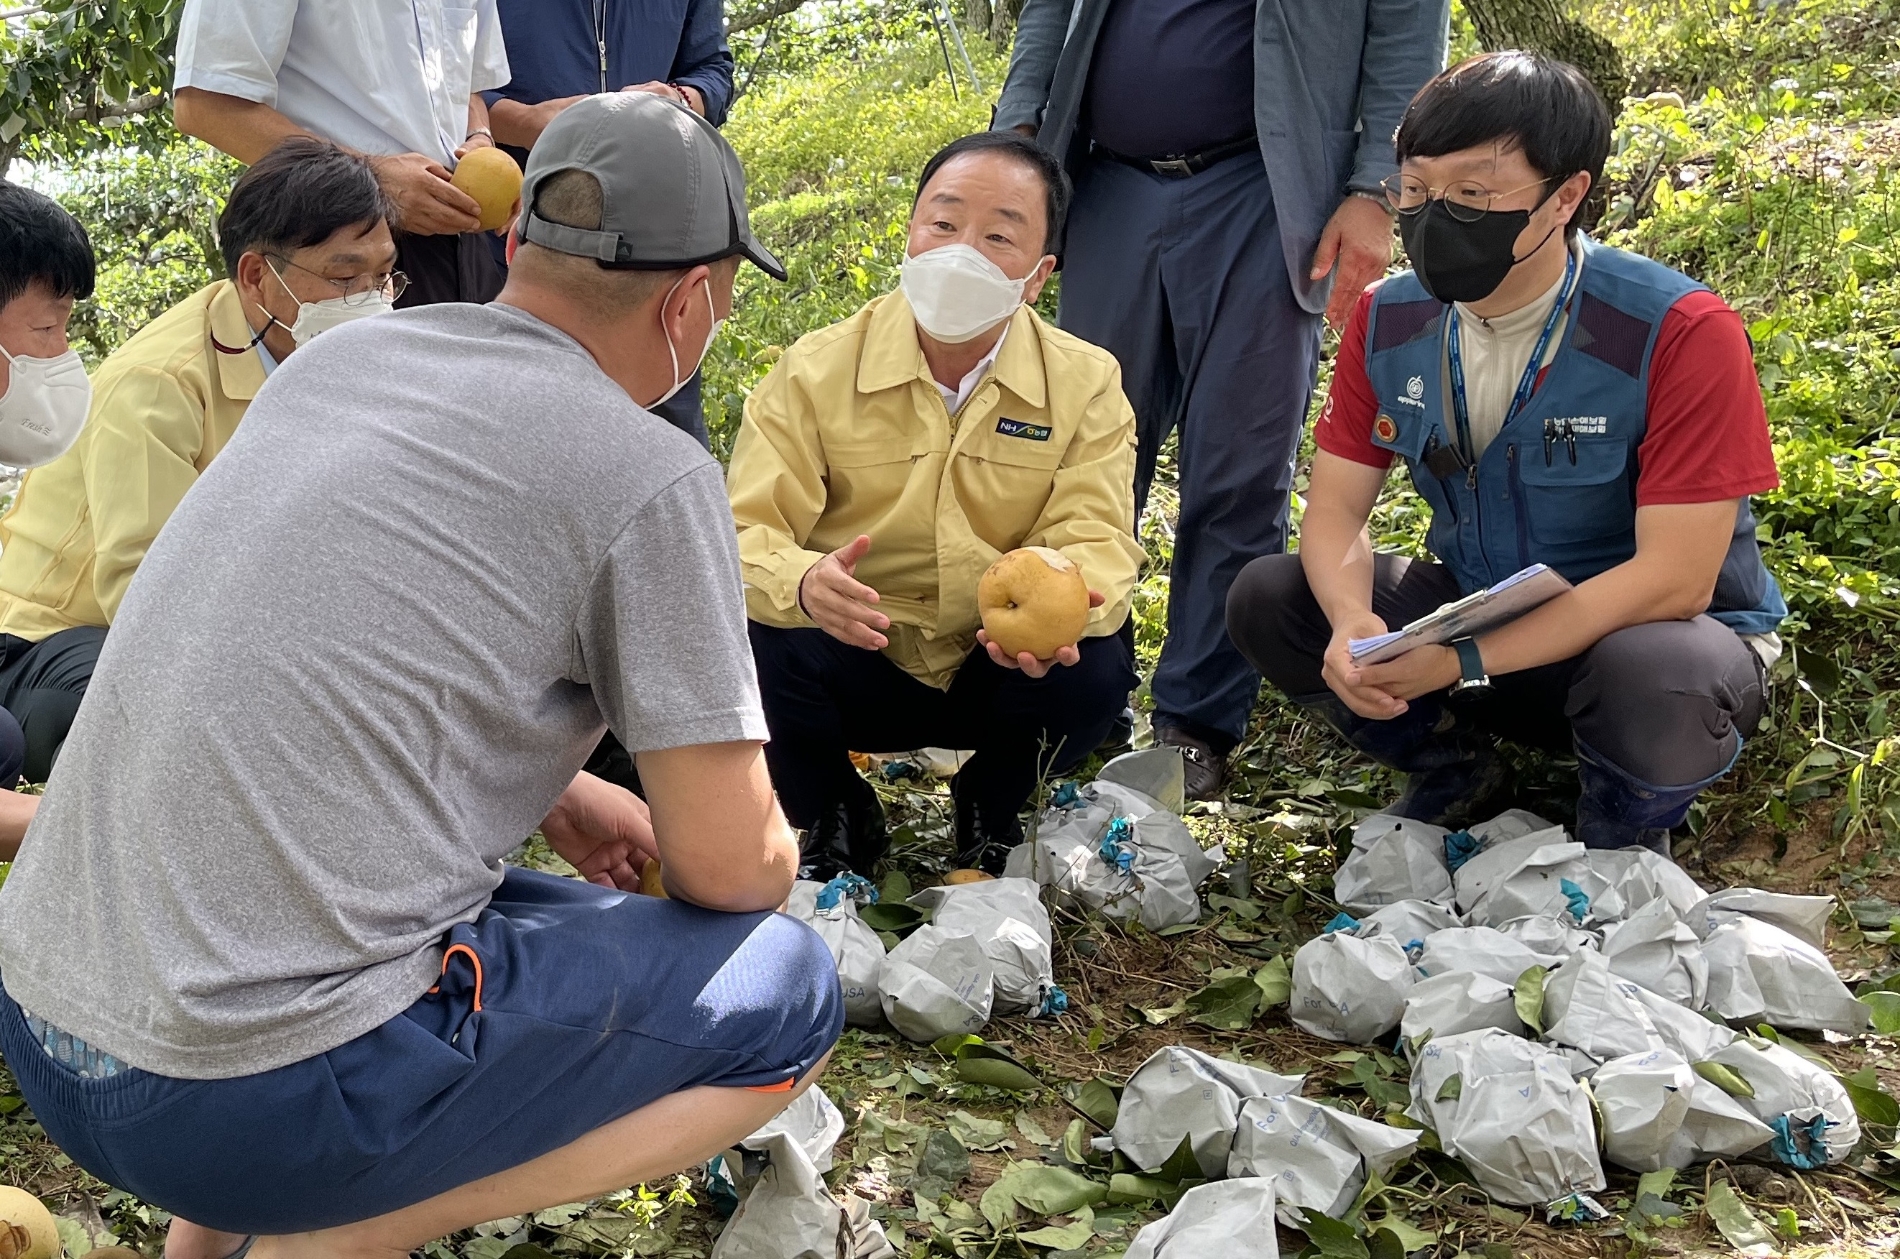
(984, 838)
(849, 838)
(1205, 769)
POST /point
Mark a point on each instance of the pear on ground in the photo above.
(957, 878)
(1033, 599)
(27, 1230)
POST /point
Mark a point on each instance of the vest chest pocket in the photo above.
(1568, 503)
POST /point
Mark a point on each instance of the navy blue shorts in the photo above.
(561, 1008)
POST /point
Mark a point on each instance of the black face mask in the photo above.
(1458, 261)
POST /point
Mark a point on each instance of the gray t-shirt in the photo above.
(363, 659)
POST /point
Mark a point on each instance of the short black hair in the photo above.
(299, 194)
(1546, 108)
(40, 241)
(1020, 149)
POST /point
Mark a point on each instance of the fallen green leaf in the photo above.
(1031, 1130)
(1039, 1189)
(1737, 1223)
(997, 1072)
(1874, 1106)
(1452, 1089)
(1726, 1078)
(942, 1165)
(1071, 1236)
(1226, 1005)
(892, 916)
(1331, 1238)
(1530, 998)
(1181, 1165)
(1884, 1009)
(1157, 1015)
(1095, 1099)
(977, 1133)
(1075, 1142)
(1788, 1224)
(1249, 910)
(1409, 1236)
(1275, 981)
(1128, 1187)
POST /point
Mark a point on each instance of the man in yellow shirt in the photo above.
(305, 237)
(884, 463)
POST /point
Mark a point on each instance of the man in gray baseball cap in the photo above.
(449, 548)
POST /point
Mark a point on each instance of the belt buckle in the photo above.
(1179, 167)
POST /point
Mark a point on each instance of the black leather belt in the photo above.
(1181, 165)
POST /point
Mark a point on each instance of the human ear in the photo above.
(1570, 196)
(1038, 279)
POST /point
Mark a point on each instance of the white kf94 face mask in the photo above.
(43, 408)
(957, 294)
(333, 312)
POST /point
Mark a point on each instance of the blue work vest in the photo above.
(1529, 501)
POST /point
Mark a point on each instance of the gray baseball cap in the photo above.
(672, 189)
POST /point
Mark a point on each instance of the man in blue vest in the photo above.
(1227, 156)
(1554, 402)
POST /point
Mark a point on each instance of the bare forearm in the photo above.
(1632, 593)
(478, 115)
(521, 125)
(245, 129)
(723, 842)
(16, 812)
(1336, 555)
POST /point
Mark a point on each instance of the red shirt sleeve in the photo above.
(1707, 438)
(1345, 422)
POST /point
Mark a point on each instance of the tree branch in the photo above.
(759, 16)
(130, 109)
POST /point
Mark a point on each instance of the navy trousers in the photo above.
(1185, 282)
(825, 699)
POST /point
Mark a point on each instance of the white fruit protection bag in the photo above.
(1392, 859)
(855, 948)
(788, 1213)
(1445, 1005)
(935, 984)
(1481, 951)
(1408, 922)
(1006, 916)
(1183, 1093)
(1812, 1117)
(1232, 1219)
(1119, 851)
(1317, 1157)
(1804, 917)
(1589, 1009)
(1349, 989)
(1759, 972)
(1653, 948)
(1520, 1123)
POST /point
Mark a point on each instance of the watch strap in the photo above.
(1470, 663)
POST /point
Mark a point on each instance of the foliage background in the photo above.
(1757, 152)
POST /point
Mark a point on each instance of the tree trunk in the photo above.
(977, 16)
(1542, 26)
(1003, 24)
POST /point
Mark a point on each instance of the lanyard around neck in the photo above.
(1527, 384)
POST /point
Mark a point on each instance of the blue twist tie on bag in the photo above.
(1055, 1001)
(1114, 849)
(1414, 949)
(1460, 847)
(1067, 796)
(855, 886)
(1342, 921)
(899, 771)
(1578, 898)
(1806, 1148)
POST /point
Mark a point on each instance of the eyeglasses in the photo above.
(357, 290)
(1465, 199)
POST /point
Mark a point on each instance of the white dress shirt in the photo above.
(953, 399)
(379, 76)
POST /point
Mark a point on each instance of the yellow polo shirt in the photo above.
(163, 405)
(848, 434)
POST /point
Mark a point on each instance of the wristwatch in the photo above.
(479, 131)
(1471, 665)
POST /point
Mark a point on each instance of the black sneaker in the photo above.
(984, 838)
(1205, 769)
(849, 838)
(1452, 795)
